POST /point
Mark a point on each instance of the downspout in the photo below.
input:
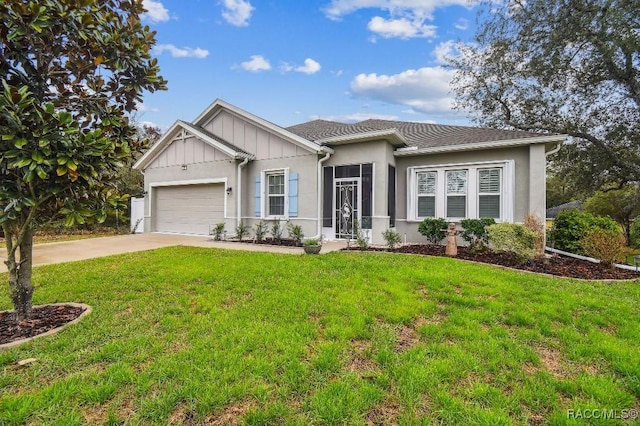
(239, 191)
(322, 160)
(554, 150)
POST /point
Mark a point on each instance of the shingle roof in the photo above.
(216, 138)
(552, 212)
(420, 135)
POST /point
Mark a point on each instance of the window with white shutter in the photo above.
(427, 194)
(489, 185)
(456, 193)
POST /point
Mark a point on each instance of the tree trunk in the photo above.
(20, 287)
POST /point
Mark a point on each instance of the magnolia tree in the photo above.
(71, 72)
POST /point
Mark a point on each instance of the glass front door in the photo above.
(347, 207)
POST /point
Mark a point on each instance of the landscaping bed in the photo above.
(43, 319)
(555, 265)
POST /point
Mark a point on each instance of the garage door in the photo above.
(188, 209)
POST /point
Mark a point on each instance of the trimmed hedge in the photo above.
(570, 226)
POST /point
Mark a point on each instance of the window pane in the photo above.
(456, 206)
(276, 206)
(427, 206)
(426, 183)
(457, 183)
(489, 206)
(276, 184)
(489, 180)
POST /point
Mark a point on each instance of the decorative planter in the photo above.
(312, 249)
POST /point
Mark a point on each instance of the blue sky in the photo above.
(291, 61)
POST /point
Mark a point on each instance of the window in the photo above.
(489, 184)
(456, 194)
(275, 194)
(427, 194)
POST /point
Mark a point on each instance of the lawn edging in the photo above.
(87, 310)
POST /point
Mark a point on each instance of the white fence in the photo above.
(137, 215)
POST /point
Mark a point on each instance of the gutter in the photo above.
(554, 150)
(239, 191)
(319, 180)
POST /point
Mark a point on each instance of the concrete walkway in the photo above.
(68, 251)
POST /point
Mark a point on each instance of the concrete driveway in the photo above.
(68, 251)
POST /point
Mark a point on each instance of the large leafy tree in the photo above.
(561, 66)
(622, 205)
(71, 71)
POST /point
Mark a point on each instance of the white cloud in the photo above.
(310, 67)
(446, 49)
(185, 52)
(354, 118)
(407, 18)
(425, 90)
(462, 24)
(256, 63)
(401, 28)
(156, 12)
(142, 107)
(237, 12)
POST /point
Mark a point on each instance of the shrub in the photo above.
(434, 229)
(570, 226)
(635, 232)
(513, 238)
(218, 231)
(242, 231)
(260, 231)
(474, 231)
(276, 231)
(311, 242)
(361, 239)
(391, 238)
(604, 244)
(295, 233)
(533, 223)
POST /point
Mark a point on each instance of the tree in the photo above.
(561, 66)
(71, 71)
(622, 205)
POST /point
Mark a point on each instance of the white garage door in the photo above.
(188, 209)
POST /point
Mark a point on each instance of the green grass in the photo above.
(183, 335)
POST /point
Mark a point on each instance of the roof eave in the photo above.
(394, 137)
(481, 145)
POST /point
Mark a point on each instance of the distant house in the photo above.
(553, 212)
(229, 165)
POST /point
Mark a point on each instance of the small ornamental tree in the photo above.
(70, 73)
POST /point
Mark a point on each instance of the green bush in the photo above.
(604, 244)
(391, 238)
(276, 231)
(295, 233)
(361, 238)
(635, 233)
(570, 226)
(434, 229)
(513, 238)
(218, 231)
(242, 231)
(474, 232)
(260, 231)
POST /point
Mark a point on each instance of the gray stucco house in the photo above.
(229, 165)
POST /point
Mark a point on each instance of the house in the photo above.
(229, 165)
(553, 212)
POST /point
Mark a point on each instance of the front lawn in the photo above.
(186, 335)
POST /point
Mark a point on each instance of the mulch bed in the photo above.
(43, 319)
(285, 242)
(556, 265)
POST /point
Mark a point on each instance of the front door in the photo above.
(347, 207)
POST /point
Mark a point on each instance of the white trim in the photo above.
(393, 136)
(170, 136)
(263, 193)
(507, 191)
(480, 145)
(154, 185)
(260, 122)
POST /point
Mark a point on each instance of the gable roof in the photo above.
(421, 137)
(206, 136)
(219, 105)
(553, 212)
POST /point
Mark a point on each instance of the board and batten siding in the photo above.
(251, 138)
